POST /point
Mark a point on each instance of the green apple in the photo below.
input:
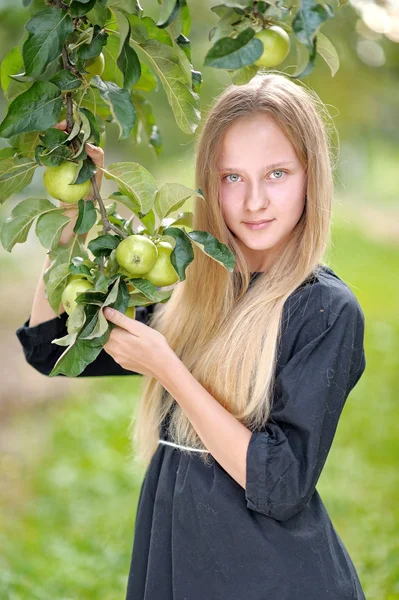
(131, 312)
(57, 182)
(163, 272)
(95, 67)
(276, 45)
(137, 254)
(73, 289)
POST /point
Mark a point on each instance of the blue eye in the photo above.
(232, 174)
(278, 171)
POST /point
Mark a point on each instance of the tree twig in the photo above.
(107, 225)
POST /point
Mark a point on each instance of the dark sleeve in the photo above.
(42, 355)
(284, 462)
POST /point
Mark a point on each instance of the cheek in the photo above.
(290, 206)
(228, 202)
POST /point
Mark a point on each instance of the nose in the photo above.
(256, 197)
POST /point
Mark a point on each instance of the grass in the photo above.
(69, 495)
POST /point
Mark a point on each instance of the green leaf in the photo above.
(87, 170)
(145, 28)
(135, 182)
(57, 282)
(170, 197)
(111, 70)
(182, 254)
(127, 61)
(121, 106)
(52, 138)
(148, 220)
(326, 49)
(147, 81)
(305, 59)
(169, 12)
(146, 287)
(78, 9)
(87, 216)
(207, 243)
(227, 24)
(52, 158)
(73, 250)
(145, 113)
(99, 329)
(66, 80)
(243, 75)
(99, 15)
(226, 7)
(36, 109)
(131, 7)
(26, 143)
(234, 53)
(102, 281)
(184, 218)
(81, 269)
(49, 227)
(92, 297)
(94, 47)
(16, 172)
(182, 99)
(139, 299)
(76, 319)
(62, 255)
(94, 128)
(131, 204)
(16, 227)
(307, 21)
(76, 358)
(48, 31)
(67, 340)
(104, 244)
(11, 64)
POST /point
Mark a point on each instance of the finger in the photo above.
(61, 125)
(95, 153)
(97, 156)
(115, 316)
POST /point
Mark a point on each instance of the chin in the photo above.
(258, 244)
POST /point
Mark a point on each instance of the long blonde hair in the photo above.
(225, 332)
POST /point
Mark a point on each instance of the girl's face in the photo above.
(261, 179)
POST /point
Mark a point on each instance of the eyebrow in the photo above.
(271, 166)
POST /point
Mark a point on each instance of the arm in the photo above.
(43, 325)
(42, 355)
(284, 462)
(279, 467)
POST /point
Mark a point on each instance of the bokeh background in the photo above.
(68, 491)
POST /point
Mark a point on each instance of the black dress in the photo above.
(198, 534)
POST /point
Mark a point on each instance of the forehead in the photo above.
(252, 137)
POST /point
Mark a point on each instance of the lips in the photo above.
(257, 222)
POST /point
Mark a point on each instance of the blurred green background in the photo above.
(68, 490)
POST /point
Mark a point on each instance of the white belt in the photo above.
(184, 447)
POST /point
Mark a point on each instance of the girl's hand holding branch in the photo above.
(136, 346)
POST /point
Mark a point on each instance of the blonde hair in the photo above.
(225, 332)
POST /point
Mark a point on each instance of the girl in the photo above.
(247, 372)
